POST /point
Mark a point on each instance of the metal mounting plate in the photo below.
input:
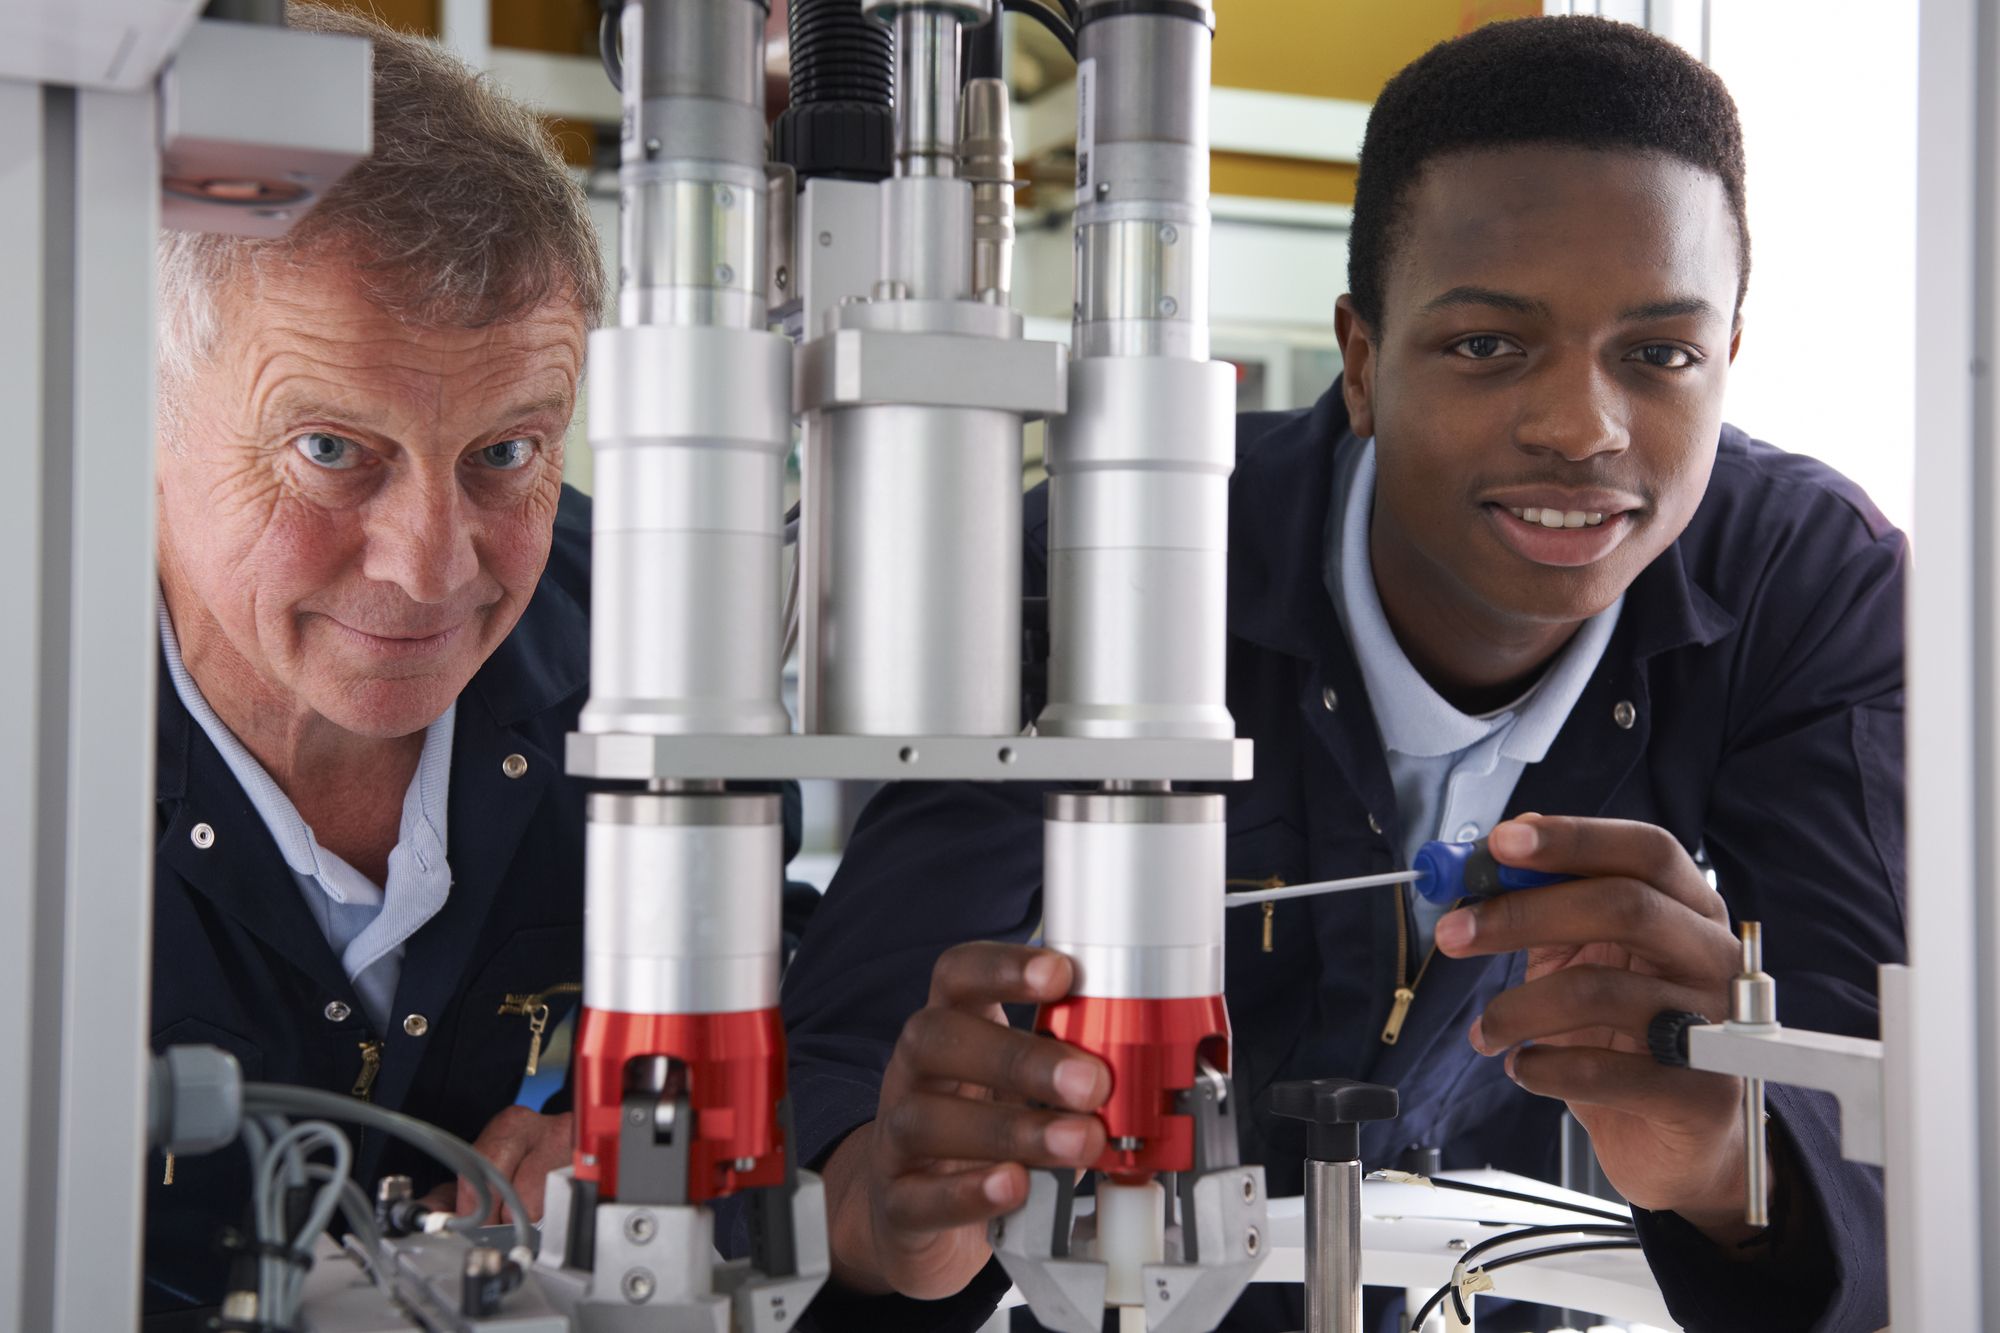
(908, 758)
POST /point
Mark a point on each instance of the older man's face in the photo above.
(357, 510)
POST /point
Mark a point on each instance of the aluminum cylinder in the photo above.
(691, 177)
(690, 427)
(916, 516)
(927, 81)
(1132, 891)
(681, 902)
(1142, 218)
(1138, 550)
(1333, 1247)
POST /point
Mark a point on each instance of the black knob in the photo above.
(1667, 1036)
(1333, 1109)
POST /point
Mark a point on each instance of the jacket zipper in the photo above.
(536, 1008)
(1270, 909)
(371, 1065)
(1406, 985)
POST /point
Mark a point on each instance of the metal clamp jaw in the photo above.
(1215, 1233)
(647, 1261)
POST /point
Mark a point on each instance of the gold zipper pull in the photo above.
(169, 1179)
(517, 1004)
(1392, 1031)
(371, 1065)
(538, 1023)
(1270, 911)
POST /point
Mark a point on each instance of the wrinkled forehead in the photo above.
(312, 333)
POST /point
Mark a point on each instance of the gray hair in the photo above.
(464, 216)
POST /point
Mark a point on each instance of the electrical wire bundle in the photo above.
(284, 1172)
(1611, 1231)
(1058, 16)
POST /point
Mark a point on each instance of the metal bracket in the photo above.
(1848, 1067)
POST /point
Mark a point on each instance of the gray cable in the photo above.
(287, 1155)
(448, 1148)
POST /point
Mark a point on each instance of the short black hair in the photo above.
(1575, 81)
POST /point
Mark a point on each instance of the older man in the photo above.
(373, 640)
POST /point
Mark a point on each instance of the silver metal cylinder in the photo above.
(1130, 891)
(1139, 468)
(1142, 186)
(1333, 1247)
(916, 515)
(691, 178)
(1138, 549)
(927, 237)
(689, 427)
(927, 81)
(986, 162)
(681, 902)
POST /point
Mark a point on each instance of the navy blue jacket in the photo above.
(1762, 658)
(239, 962)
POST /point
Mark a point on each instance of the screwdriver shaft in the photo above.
(1314, 890)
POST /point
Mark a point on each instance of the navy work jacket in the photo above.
(239, 962)
(1750, 702)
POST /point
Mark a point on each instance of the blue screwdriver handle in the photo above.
(1449, 871)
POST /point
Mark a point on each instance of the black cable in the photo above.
(1064, 28)
(1507, 1261)
(607, 48)
(1516, 1196)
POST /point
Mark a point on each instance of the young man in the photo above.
(1513, 562)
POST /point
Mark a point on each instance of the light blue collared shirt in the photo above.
(366, 924)
(1453, 772)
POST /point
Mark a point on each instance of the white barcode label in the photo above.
(1086, 120)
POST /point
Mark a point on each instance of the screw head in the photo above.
(1168, 235)
(724, 275)
(1249, 1189)
(636, 1116)
(1253, 1242)
(725, 197)
(640, 1228)
(1169, 306)
(637, 1286)
(826, 238)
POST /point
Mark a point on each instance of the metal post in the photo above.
(76, 729)
(1943, 1167)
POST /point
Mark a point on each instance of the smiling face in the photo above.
(354, 511)
(1545, 389)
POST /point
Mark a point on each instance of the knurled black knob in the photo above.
(1667, 1036)
(1334, 1110)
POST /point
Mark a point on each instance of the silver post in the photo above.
(1333, 1247)
(926, 92)
(1754, 1003)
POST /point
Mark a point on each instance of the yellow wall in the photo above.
(1344, 49)
(1339, 48)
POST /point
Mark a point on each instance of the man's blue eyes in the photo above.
(337, 454)
(328, 451)
(508, 454)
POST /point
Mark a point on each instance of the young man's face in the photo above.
(1545, 389)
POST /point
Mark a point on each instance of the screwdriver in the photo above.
(1444, 873)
